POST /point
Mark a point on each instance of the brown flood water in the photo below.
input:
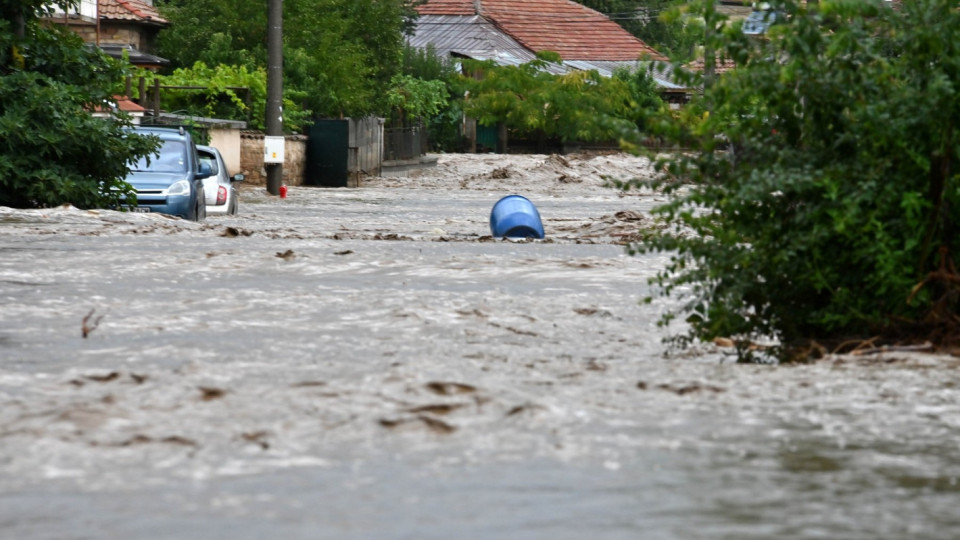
(367, 363)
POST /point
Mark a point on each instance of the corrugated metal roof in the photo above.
(472, 37)
(135, 56)
(606, 68)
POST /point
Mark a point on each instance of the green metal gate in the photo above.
(327, 152)
(488, 138)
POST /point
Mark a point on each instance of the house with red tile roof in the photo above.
(574, 31)
(119, 27)
(512, 32)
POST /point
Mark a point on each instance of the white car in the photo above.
(218, 190)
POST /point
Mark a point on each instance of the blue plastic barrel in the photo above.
(515, 217)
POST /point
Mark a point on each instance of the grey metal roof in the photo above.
(607, 67)
(475, 37)
(469, 36)
(203, 121)
(137, 57)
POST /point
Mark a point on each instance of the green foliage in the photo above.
(444, 126)
(52, 150)
(426, 64)
(644, 94)
(575, 106)
(213, 32)
(414, 98)
(823, 190)
(338, 54)
(222, 96)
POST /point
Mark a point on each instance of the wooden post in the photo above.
(156, 98)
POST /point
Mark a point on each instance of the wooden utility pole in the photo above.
(274, 120)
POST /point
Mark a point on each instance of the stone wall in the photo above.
(251, 159)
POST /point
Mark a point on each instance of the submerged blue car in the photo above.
(170, 181)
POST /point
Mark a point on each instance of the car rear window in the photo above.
(210, 160)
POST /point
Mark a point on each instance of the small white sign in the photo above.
(273, 149)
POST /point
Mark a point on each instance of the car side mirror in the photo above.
(205, 171)
(236, 178)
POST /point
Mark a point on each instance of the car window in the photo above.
(211, 161)
(172, 157)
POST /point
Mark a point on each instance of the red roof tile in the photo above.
(574, 31)
(130, 10)
(122, 103)
(718, 68)
(125, 104)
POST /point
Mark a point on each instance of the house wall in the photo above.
(228, 141)
(123, 34)
(251, 159)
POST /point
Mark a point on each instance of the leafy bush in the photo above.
(52, 150)
(220, 96)
(821, 201)
(443, 126)
(411, 97)
(575, 106)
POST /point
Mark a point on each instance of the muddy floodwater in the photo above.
(368, 363)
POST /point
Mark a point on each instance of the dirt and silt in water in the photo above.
(368, 363)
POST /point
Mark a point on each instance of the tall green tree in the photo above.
(821, 202)
(338, 54)
(52, 150)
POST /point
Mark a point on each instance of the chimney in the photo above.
(478, 6)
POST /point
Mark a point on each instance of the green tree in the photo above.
(52, 150)
(224, 91)
(645, 100)
(821, 202)
(576, 106)
(413, 98)
(443, 126)
(338, 54)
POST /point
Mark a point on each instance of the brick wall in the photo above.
(251, 159)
